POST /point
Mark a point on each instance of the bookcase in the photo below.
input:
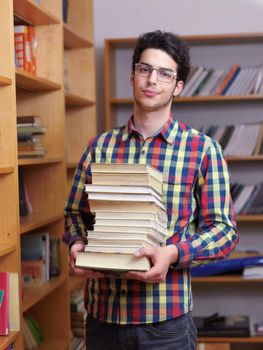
(224, 294)
(79, 78)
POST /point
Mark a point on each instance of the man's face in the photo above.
(151, 94)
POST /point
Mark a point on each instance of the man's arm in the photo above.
(216, 236)
(78, 217)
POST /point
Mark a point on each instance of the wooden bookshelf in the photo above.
(226, 279)
(237, 340)
(28, 81)
(5, 81)
(80, 97)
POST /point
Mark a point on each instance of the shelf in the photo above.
(76, 282)
(33, 14)
(240, 340)
(37, 220)
(72, 165)
(254, 158)
(249, 218)
(8, 339)
(35, 294)
(5, 81)
(226, 279)
(39, 161)
(215, 39)
(73, 100)
(7, 169)
(72, 40)
(6, 248)
(197, 99)
(53, 344)
(28, 81)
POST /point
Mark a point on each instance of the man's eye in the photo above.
(166, 73)
(144, 69)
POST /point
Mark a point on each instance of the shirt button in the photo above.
(143, 152)
(123, 291)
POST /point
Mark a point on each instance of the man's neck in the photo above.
(148, 123)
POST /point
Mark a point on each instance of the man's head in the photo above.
(169, 43)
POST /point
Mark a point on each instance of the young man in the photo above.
(152, 310)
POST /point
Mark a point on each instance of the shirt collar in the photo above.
(167, 131)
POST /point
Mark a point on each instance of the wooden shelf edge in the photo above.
(4, 81)
(73, 40)
(35, 294)
(205, 39)
(33, 13)
(225, 279)
(53, 344)
(8, 339)
(249, 218)
(73, 100)
(6, 248)
(7, 169)
(39, 161)
(72, 165)
(240, 340)
(35, 221)
(28, 81)
(197, 99)
(253, 158)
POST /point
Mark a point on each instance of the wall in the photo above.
(120, 18)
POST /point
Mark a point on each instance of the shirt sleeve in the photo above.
(216, 235)
(78, 218)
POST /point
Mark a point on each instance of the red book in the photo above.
(232, 73)
(4, 308)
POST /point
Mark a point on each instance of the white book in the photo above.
(125, 197)
(111, 215)
(206, 91)
(258, 81)
(234, 88)
(112, 249)
(197, 82)
(228, 151)
(89, 188)
(249, 83)
(156, 223)
(155, 238)
(192, 81)
(243, 197)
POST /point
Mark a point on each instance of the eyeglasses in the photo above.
(163, 74)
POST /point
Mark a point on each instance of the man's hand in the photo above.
(74, 249)
(161, 258)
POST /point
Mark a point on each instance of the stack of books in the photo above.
(129, 215)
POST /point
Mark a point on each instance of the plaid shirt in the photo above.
(199, 208)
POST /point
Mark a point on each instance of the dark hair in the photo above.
(169, 43)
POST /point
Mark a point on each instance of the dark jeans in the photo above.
(175, 334)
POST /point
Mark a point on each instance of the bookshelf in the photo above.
(79, 80)
(216, 51)
(22, 93)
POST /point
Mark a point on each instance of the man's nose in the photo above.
(153, 77)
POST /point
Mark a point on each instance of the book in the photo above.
(226, 83)
(14, 313)
(33, 273)
(4, 309)
(222, 326)
(108, 261)
(119, 232)
(28, 120)
(143, 240)
(29, 340)
(23, 209)
(126, 197)
(118, 207)
(134, 216)
(90, 189)
(36, 246)
(213, 346)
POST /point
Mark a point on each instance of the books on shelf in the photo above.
(25, 47)
(237, 140)
(30, 131)
(35, 258)
(127, 218)
(32, 333)
(233, 81)
(247, 198)
(222, 326)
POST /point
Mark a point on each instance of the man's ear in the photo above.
(132, 78)
(178, 88)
